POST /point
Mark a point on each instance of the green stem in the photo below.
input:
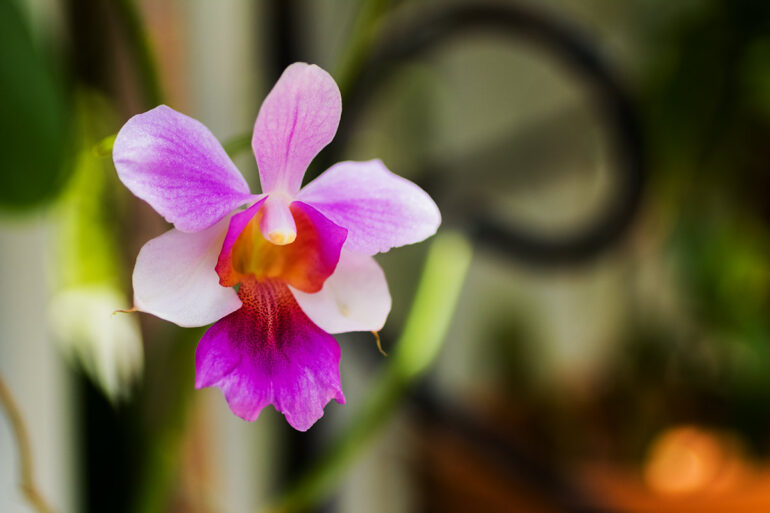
(164, 450)
(360, 43)
(419, 344)
(26, 468)
(141, 48)
(238, 144)
(165, 443)
(104, 147)
(147, 69)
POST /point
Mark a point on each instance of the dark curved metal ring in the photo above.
(428, 30)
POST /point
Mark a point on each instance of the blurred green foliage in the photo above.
(34, 117)
(90, 268)
(91, 209)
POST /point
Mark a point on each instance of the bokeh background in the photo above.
(605, 164)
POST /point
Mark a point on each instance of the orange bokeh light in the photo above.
(688, 459)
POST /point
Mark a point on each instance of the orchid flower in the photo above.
(281, 276)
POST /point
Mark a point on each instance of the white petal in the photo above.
(175, 278)
(354, 298)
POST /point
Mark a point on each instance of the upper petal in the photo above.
(304, 264)
(381, 210)
(354, 298)
(174, 278)
(269, 352)
(297, 119)
(175, 164)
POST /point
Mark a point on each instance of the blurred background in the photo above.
(609, 346)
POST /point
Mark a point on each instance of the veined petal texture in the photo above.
(269, 352)
(175, 164)
(297, 119)
(380, 210)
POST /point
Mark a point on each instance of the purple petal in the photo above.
(381, 210)
(175, 164)
(269, 352)
(297, 119)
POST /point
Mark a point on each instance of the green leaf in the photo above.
(33, 117)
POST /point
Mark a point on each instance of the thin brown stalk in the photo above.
(26, 469)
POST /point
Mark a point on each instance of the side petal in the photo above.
(354, 298)
(228, 276)
(174, 278)
(297, 119)
(381, 210)
(269, 352)
(317, 249)
(175, 164)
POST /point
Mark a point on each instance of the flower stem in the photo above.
(144, 60)
(140, 46)
(238, 144)
(104, 147)
(360, 42)
(26, 469)
(419, 344)
(165, 444)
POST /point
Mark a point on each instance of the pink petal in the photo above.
(297, 119)
(175, 164)
(354, 298)
(381, 210)
(304, 264)
(174, 278)
(269, 352)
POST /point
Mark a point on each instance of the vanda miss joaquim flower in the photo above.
(281, 275)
